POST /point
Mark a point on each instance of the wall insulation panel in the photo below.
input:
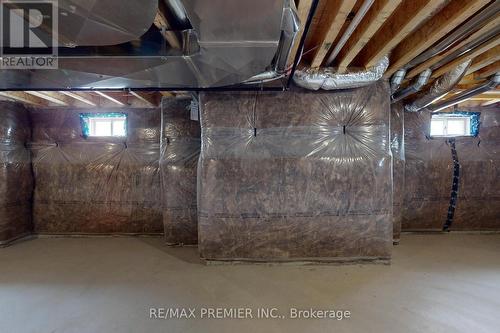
(180, 149)
(429, 176)
(16, 181)
(96, 185)
(296, 175)
(398, 167)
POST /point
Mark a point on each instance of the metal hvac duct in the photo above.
(465, 95)
(419, 83)
(439, 88)
(115, 46)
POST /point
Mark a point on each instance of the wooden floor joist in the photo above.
(340, 10)
(447, 19)
(20, 96)
(110, 98)
(51, 97)
(485, 59)
(84, 98)
(487, 71)
(408, 15)
(302, 12)
(470, 55)
(373, 20)
(149, 99)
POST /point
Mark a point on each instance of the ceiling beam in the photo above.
(110, 98)
(340, 10)
(493, 101)
(87, 99)
(52, 97)
(373, 20)
(447, 19)
(149, 99)
(161, 23)
(487, 71)
(470, 55)
(302, 12)
(23, 97)
(402, 22)
(485, 59)
(434, 60)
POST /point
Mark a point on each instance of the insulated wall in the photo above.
(398, 167)
(429, 176)
(96, 185)
(296, 175)
(180, 149)
(16, 181)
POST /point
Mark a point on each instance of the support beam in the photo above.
(303, 12)
(487, 71)
(51, 97)
(80, 97)
(161, 23)
(339, 10)
(488, 28)
(373, 20)
(110, 98)
(447, 19)
(470, 55)
(23, 97)
(149, 99)
(402, 22)
(485, 59)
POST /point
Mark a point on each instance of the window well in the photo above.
(448, 124)
(104, 124)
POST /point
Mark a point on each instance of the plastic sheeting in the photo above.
(16, 180)
(429, 176)
(398, 167)
(96, 185)
(279, 183)
(180, 149)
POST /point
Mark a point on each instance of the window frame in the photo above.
(471, 123)
(88, 124)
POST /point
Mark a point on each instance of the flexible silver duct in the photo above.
(328, 79)
(419, 83)
(397, 78)
(465, 95)
(350, 29)
(441, 87)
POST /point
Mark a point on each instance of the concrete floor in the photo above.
(436, 283)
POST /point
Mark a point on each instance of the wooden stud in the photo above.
(402, 22)
(447, 19)
(340, 11)
(373, 20)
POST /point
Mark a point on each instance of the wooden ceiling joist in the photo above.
(407, 17)
(149, 99)
(339, 11)
(23, 97)
(470, 55)
(485, 59)
(448, 18)
(161, 23)
(487, 71)
(488, 28)
(302, 12)
(110, 98)
(51, 97)
(373, 20)
(84, 98)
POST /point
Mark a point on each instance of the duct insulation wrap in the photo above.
(429, 176)
(96, 184)
(16, 181)
(277, 183)
(439, 88)
(398, 167)
(328, 79)
(180, 149)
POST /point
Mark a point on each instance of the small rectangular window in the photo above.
(447, 124)
(104, 124)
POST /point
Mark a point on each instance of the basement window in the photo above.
(104, 124)
(447, 124)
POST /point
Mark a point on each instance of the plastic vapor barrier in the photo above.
(96, 185)
(16, 181)
(180, 149)
(279, 183)
(429, 176)
(398, 166)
